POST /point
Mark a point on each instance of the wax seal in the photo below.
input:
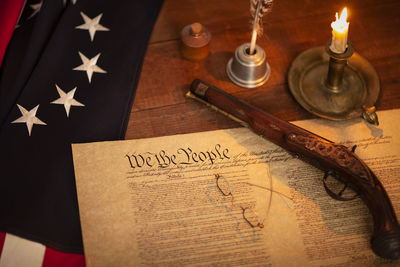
(195, 41)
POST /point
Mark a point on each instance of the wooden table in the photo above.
(160, 107)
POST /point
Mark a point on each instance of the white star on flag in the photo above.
(92, 25)
(67, 99)
(36, 8)
(29, 117)
(89, 65)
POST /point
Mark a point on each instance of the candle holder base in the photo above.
(356, 97)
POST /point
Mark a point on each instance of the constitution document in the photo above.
(229, 197)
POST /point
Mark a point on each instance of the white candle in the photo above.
(340, 29)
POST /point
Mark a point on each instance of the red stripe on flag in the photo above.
(9, 14)
(2, 239)
(60, 259)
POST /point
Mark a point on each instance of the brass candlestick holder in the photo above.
(335, 86)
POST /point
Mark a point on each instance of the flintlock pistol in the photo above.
(322, 153)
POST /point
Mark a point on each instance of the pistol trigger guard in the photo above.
(332, 194)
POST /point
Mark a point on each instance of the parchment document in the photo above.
(228, 197)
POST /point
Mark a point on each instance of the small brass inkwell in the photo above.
(195, 42)
(334, 82)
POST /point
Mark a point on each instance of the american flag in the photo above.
(69, 75)
(16, 251)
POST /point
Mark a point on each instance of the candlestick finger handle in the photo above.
(370, 115)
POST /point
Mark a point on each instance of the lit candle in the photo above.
(340, 29)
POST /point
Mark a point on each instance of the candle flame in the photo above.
(341, 25)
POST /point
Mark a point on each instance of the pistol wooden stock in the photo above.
(385, 241)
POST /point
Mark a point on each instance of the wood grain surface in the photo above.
(292, 26)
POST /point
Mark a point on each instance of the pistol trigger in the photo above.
(336, 196)
(353, 148)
